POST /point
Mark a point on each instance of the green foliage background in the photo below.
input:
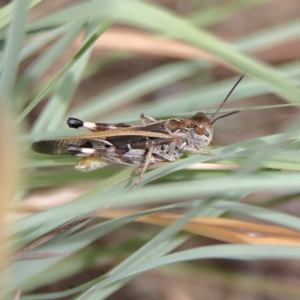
(268, 163)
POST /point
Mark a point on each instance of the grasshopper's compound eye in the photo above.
(200, 129)
(206, 133)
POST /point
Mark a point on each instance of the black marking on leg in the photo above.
(122, 125)
(87, 145)
(74, 123)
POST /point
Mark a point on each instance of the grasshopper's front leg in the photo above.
(199, 150)
(93, 126)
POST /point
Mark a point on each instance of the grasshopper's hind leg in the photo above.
(93, 126)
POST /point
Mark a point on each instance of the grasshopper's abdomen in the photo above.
(58, 146)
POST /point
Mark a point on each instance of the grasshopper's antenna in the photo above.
(229, 114)
(222, 104)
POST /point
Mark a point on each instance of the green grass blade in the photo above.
(264, 214)
(6, 12)
(245, 252)
(43, 40)
(12, 50)
(83, 49)
(164, 235)
(72, 243)
(54, 112)
(163, 249)
(154, 18)
(44, 61)
(136, 87)
(270, 37)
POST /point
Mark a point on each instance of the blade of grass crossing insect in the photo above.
(83, 49)
(221, 152)
(12, 50)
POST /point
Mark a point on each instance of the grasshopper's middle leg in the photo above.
(145, 117)
(145, 167)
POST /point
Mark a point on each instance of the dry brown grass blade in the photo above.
(140, 42)
(226, 230)
(143, 43)
(21, 254)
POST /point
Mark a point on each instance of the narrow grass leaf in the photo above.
(160, 20)
(43, 40)
(239, 252)
(6, 12)
(44, 61)
(159, 251)
(54, 112)
(136, 87)
(63, 214)
(81, 51)
(12, 50)
(260, 213)
(270, 37)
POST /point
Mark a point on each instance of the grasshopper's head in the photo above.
(202, 130)
(201, 126)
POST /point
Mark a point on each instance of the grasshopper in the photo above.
(135, 145)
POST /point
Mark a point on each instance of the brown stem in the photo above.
(54, 233)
